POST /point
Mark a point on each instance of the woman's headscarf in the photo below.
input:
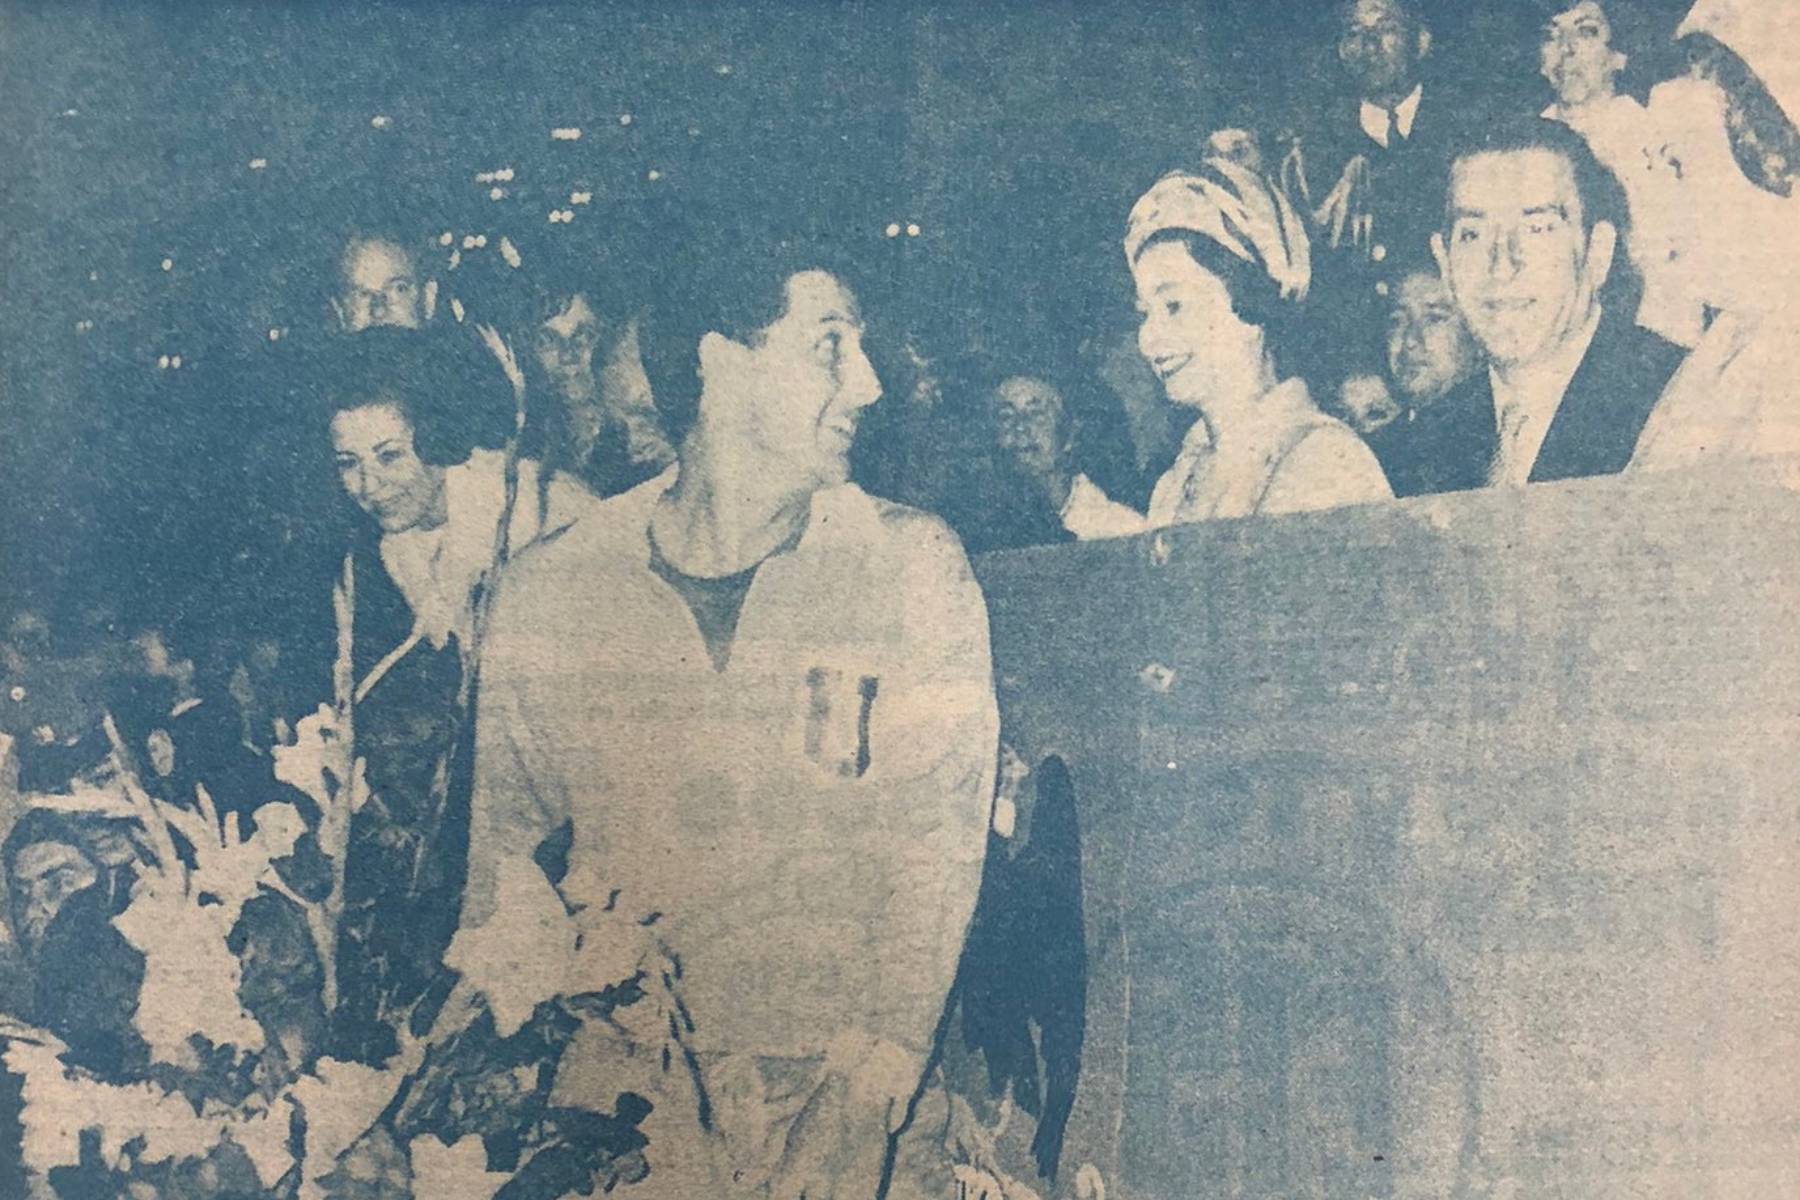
(1235, 207)
(1761, 32)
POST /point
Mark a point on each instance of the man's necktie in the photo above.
(1512, 428)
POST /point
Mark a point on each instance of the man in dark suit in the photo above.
(1350, 164)
(1531, 249)
(1367, 168)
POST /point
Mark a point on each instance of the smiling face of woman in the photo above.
(1191, 335)
(381, 469)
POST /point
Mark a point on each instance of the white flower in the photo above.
(191, 976)
(316, 749)
(459, 1170)
(524, 953)
(264, 1137)
(59, 1100)
(341, 1100)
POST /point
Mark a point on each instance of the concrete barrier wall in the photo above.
(1440, 848)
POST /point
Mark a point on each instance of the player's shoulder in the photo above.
(592, 536)
(899, 525)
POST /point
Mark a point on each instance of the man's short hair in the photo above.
(1602, 195)
(736, 292)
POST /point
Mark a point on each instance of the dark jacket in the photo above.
(1348, 301)
(1451, 445)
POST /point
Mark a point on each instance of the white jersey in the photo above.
(809, 822)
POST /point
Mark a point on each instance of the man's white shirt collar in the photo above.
(1375, 118)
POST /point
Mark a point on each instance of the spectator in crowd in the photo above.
(1367, 171)
(1587, 49)
(1338, 165)
(809, 714)
(1429, 354)
(1035, 435)
(429, 513)
(379, 283)
(67, 877)
(1220, 261)
(435, 500)
(995, 500)
(1529, 249)
(1738, 395)
(603, 420)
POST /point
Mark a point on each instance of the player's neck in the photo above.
(726, 511)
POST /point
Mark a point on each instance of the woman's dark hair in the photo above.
(444, 382)
(1764, 141)
(1642, 39)
(1255, 297)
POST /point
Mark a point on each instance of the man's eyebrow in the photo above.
(384, 443)
(1535, 210)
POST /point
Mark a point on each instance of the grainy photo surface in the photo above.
(930, 600)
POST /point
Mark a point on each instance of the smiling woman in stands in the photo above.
(1221, 264)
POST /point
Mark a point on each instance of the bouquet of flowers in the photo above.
(225, 1089)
